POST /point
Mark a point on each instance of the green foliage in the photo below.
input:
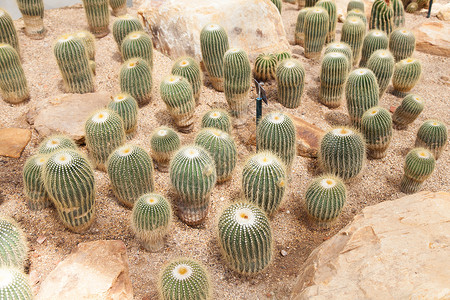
(188, 68)
(433, 136)
(8, 33)
(399, 13)
(33, 17)
(376, 125)
(164, 142)
(419, 165)
(33, 185)
(13, 244)
(123, 25)
(333, 75)
(137, 44)
(300, 26)
(88, 40)
(290, 82)
(353, 32)
(316, 30)
(14, 284)
(382, 16)
(382, 63)
(374, 40)
(119, 7)
(127, 108)
(402, 43)
(406, 74)
(343, 48)
(410, 108)
(13, 83)
(330, 7)
(265, 67)
(217, 118)
(97, 15)
(136, 79)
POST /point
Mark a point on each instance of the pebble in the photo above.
(283, 253)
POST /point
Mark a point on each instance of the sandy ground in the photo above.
(292, 233)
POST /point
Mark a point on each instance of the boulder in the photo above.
(13, 141)
(433, 38)
(95, 270)
(308, 137)
(253, 25)
(444, 13)
(393, 250)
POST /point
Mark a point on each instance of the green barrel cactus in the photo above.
(278, 4)
(310, 3)
(8, 33)
(433, 136)
(123, 25)
(193, 175)
(402, 43)
(410, 108)
(373, 41)
(342, 152)
(13, 244)
(137, 44)
(14, 284)
(355, 4)
(265, 67)
(290, 82)
(325, 198)
(300, 26)
(333, 75)
(343, 48)
(184, 278)
(217, 118)
(33, 185)
(188, 68)
(283, 55)
(13, 83)
(88, 40)
(130, 170)
(330, 7)
(264, 181)
(150, 220)
(69, 181)
(316, 30)
(353, 32)
(245, 238)
(376, 126)
(222, 149)
(136, 79)
(214, 44)
(177, 94)
(399, 13)
(406, 74)
(127, 108)
(97, 15)
(33, 17)
(359, 14)
(54, 143)
(412, 7)
(164, 142)
(382, 16)
(104, 133)
(382, 63)
(419, 165)
(119, 7)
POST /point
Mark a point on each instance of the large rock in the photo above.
(95, 270)
(308, 137)
(393, 250)
(253, 25)
(444, 13)
(433, 38)
(13, 141)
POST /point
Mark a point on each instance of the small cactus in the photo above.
(54, 143)
(123, 25)
(343, 48)
(373, 41)
(402, 43)
(119, 7)
(137, 44)
(97, 15)
(278, 4)
(13, 83)
(8, 33)
(13, 244)
(412, 7)
(382, 63)
(33, 17)
(316, 30)
(330, 7)
(217, 118)
(333, 75)
(291, 82)
(376, 125)
(300, 26)
(88, 40)
(283, 55)
(433, 136)
(419, 165)
(353, 32)
(164, 143)
(382, 16)
(410, 108)
(265, 67)
(359, 14)
(188, 68)
(406, 74)
(399, 13)
(14, 284)
(355, 4)
(33, 185)
(136, 79)
(127, 108)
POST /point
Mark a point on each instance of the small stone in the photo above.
(283, 253)
(392, 109)
(13, 141)
(41, 239)
(288, 211)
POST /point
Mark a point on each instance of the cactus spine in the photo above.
(88, 40)
(14, 284)
(316, 30)
(123, 25)
(33, 185)
(376, 124)
(217, 118)
(406, 74)
(265, 67)
(33, 17)
(164, 143)
(410, 108)
(188, 68)
(300, 26)
(136, 79)
(119, 7)
(13, 244)
(13, 83)
(8, 33)
(343, 48)
(355, 4)
(402, 43)
(127, 108)
(333, 75)
(432, 135)
(97, 15)
(330, 7)
(137, 44)
(382, 16)
(290, 82)
(382, 63)
(399, 13)
(374, 40)
(419, 165)
(353, 32)
(359, 14)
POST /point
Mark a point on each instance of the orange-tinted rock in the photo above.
(13, 141)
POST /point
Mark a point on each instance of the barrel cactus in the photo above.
(330, 7)
(300, 26)
(412, 7)
(402, 43)
(290, 82)
(382, 63)
(433, 136)
(310, 3)
(97, 15)
(8, 33)
(164, 143)
(137, 44)
(359, 14)
(399, 13)
(54, 143)
(376, 126)
(382, 16)
(282, 55)
(373, 41)
(13, 83)
(419, 165)
(278, 4)
(119, 7)
(33, 17)
(88, 40)
(265, 67)
(127, 108)
(410, 108)
(343, 48)
(123, 25)
(14, 284)
(136, 79)
(33, 185)
(188, 68)
(13, 244)
(316, 30)
(355, 4)
(217, 118)
(333, 75)
(406, 74)
(353, 32)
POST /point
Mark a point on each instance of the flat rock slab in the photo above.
(393, 250)
(13, 141)
(308, 137)
(95, 270)
(433, 38)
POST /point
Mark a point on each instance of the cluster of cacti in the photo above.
(137, 44)
(419, 165)
(342, 152)
(406, 74)
(14, 284)
(127, 108)
(69, 181)
(150, 220)
(176, 92)
(410, 108)
(8, 33)
(300, 26)
(123, 25)
(88, 40)
(188, 68)
(33, 185)
(104, 133)
(359, 14)
(217, 118)
(290, 76)
(97, 15)
(222, 149)
(130, 170)
(315, 30)
(54, 143)
(399, 13)
(402, 43)
(343, 48)
(214, 44)
(325, 197)
(245, 238)
(193, 175)
(353, 32)
(376, 125)
(283, 55)
(433, 136)
(119, 7)
(278, 4)
(164, 142)
(136, 79)
(33, 17)
(13, 83)
(382, 63)
(330, 7)
(333, 75)
(13, 244)
(265, 67)
(412, 7)
(382, 16)
(373, 41)
(355, 4)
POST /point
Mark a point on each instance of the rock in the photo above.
(393, 250)
(308, 137)
(95, 270)
(66, 114)
(253, 25)
(433, 38)
(13, 141)
(444, 13)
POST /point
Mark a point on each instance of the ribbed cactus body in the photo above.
(54, 143)
(382, 63)
(290, 82)
(330, 7)
(136, 79)
(410, 108)
(342, 152)
(69, 181)
(300, 26)
(406, 74)
(13, 244)
(8, 33)
(376, 126)
(164, 143)
(355, 4)
(104, 133)
(433, 136)
(214, 44)
(359, 14)
(127, 108)
(222, 149)
(353, 32)
(33, 17)
(14, 284)
(33, 185)
(119, 7)
(193, 175)
(343, 48)
(399, 13)
(382, 16)
(310, 3)
(97, 15)
(402, 43)
(245, 238)
(176, 92)
(278, 4)
(88, 40)
(316, 30)
(265, 67)
(188, 68)
(333, 75)
(412, 7)
(123, 25)
(217, 118)
(419, 165)
(13, 83)
(283, 55)
(137, 44)
(373, 41)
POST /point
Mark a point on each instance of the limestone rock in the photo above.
(308, 137)
(393, 250)
(95, 270)
(433, 38)
(13, 141)
(253, 25)
(444, 13)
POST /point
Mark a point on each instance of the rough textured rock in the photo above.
(253, 25)
(393, 250)
(433, 38)
(444, 13)
(95, 270)
(308, 137)
(66, 114)
(13, 141)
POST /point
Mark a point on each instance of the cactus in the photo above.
(8, 33)
(164, 143)
(278, 4)
(137, 44)
(69, 181)
(399, 13)
(123, 25)
(13, 83)
(13, 244)
(127, 108)
(188, 68)
(410, 108)
(222, 149)
(310, 3)
(330, 7)
(217, 118)
(97, 15)
(342, 152)
(33, 185)
(93, 66)
(237, 75)
(264, 181)
(412, 7)
(333, 75)
(184, 278)
(381, 63)
(265, 67)
(300, 26)
(432, 135)
(382, 16)
(214, 44)
(245, 238)
(73, 63)
(343, 48)
(14, 284)
(119, 7)
(406, 74)
(316, 30)
(54, 143)
(359, 14)
(376, 125)
(282, 56)
(419, 165)
(136, 79)
(325, 197)
(291, 82)
(193, 175)
(104, 133)
(88, 40)
(373, 41)
(33, 17)
(402, 43)
(353, 32)
(176, 92)
(355, 4)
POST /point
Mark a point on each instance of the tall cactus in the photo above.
(290, 82)
(353, 32)
(189, 68)
(376, 125)
(265, 67)
(402, 43)
(217, 118)
(419, 165)
(433, 136)
(316, 30)
(97, 15)
(382, 63)
(410, 108)
(119, 7)
(343, 48)
(373, 41)
(8, 33)
(333, 75)
(300, 26)
(123, 25)
(33, 17)
(13, 83)
(164, 142)
(13, 244)
(399, 13)
(407, 73)
(14, 284)
(330, 7)
(382, 16)
(137, 44)
(33, 185)
(136, 79)
(127, 108)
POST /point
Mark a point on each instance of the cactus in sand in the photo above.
(265, 67)
(382, 16)
(316, 30)
(333, 75)
(399, 13)
(406, 74)
(8, 33)
(13, 244)
(376, 126)
(123, 25)
(291, 82)
(33, 185)
(136, 79)
(14, 284)
(373, 41)
(402, 43)
(410, 108)
(300, 26)
(433, 136)
(419, 165)
(127, 108)
(13, 83)
(330, 7)
(164, 142)
(188, 68)
(33, 17)
(382, 63)
(97, 15)
(217, 118)
(353, 32)
(137, 44)
(119, 7)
